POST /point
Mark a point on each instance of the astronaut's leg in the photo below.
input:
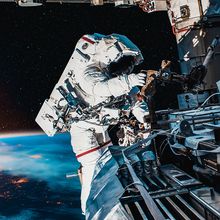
(88, 146)
(87, 175)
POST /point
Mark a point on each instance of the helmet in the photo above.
(114, 52)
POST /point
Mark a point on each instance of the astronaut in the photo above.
(103, 77)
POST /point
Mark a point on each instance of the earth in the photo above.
(34, 178)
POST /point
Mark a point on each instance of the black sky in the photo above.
(36, 44)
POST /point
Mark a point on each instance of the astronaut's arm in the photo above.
(101, 86)
(140, 111)
(139, 107)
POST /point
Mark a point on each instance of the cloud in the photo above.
(40, 157)
(23, 215)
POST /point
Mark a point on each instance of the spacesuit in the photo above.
(103, 78)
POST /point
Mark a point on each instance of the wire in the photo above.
(162, 144)
(217, 93)
(199, 108)
(138, 183)
(171, 148)
(163, 149)
(174, 132)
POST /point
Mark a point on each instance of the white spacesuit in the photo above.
(95, 86)
(105, 79)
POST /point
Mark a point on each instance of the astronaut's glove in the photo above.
(137, 79)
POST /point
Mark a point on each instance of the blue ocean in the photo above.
(34, 178)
